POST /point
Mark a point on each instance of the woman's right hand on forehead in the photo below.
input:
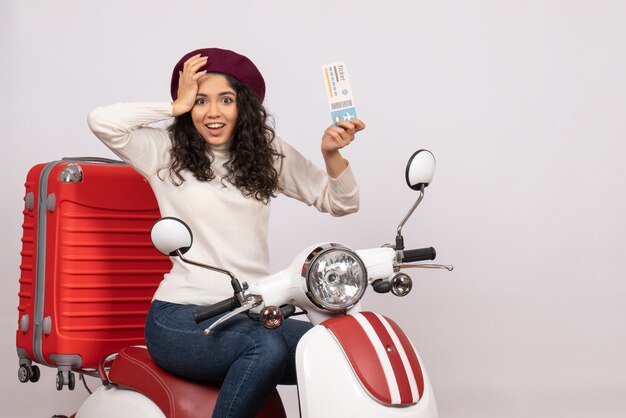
(188, 84)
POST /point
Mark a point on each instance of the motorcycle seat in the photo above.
(176, 397)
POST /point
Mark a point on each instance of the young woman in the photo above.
(217, 167)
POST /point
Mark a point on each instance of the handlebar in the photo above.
(420, 254)
(215, 309)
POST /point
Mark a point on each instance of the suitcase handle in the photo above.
(93, 159)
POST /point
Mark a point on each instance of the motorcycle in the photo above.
(351, 363)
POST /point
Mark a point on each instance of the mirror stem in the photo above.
(237, 289)
(195, 263)
(399, 239)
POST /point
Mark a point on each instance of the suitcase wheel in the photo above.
(36, 374)
(70, 381)
(28, 374)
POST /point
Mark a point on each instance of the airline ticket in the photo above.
(339, 92)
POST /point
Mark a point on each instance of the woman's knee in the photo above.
(271, 349)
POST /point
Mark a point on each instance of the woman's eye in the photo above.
(228, 100)
(200, 101)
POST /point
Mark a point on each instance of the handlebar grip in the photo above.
(287, 310)
(420, 254)
(215, 309)
(381, 286)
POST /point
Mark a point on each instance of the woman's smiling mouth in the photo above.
(215, 128)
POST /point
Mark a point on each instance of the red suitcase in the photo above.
(88, 270)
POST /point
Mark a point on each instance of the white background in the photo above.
(522, 102)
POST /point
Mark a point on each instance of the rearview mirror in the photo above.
(420, 169)
(171, 235)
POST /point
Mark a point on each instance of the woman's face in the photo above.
(215, 112)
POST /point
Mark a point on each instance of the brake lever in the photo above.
(252, 301)
(427, 266)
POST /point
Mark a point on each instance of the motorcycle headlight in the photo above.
(335, 277)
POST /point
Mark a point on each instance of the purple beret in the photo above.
(226, 62)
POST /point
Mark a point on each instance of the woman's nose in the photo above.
(212, 109)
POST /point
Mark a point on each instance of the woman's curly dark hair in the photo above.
(252, 156)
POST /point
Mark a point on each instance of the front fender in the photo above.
(349, 377)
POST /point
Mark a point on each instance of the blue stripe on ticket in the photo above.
(343, 115)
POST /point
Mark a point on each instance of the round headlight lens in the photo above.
(336, 278)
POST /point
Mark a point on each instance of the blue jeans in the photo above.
(247, 358)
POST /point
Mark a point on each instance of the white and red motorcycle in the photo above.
(352, 363)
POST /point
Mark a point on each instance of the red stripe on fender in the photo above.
(361, 354)
(394, 357)
(410, 353)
